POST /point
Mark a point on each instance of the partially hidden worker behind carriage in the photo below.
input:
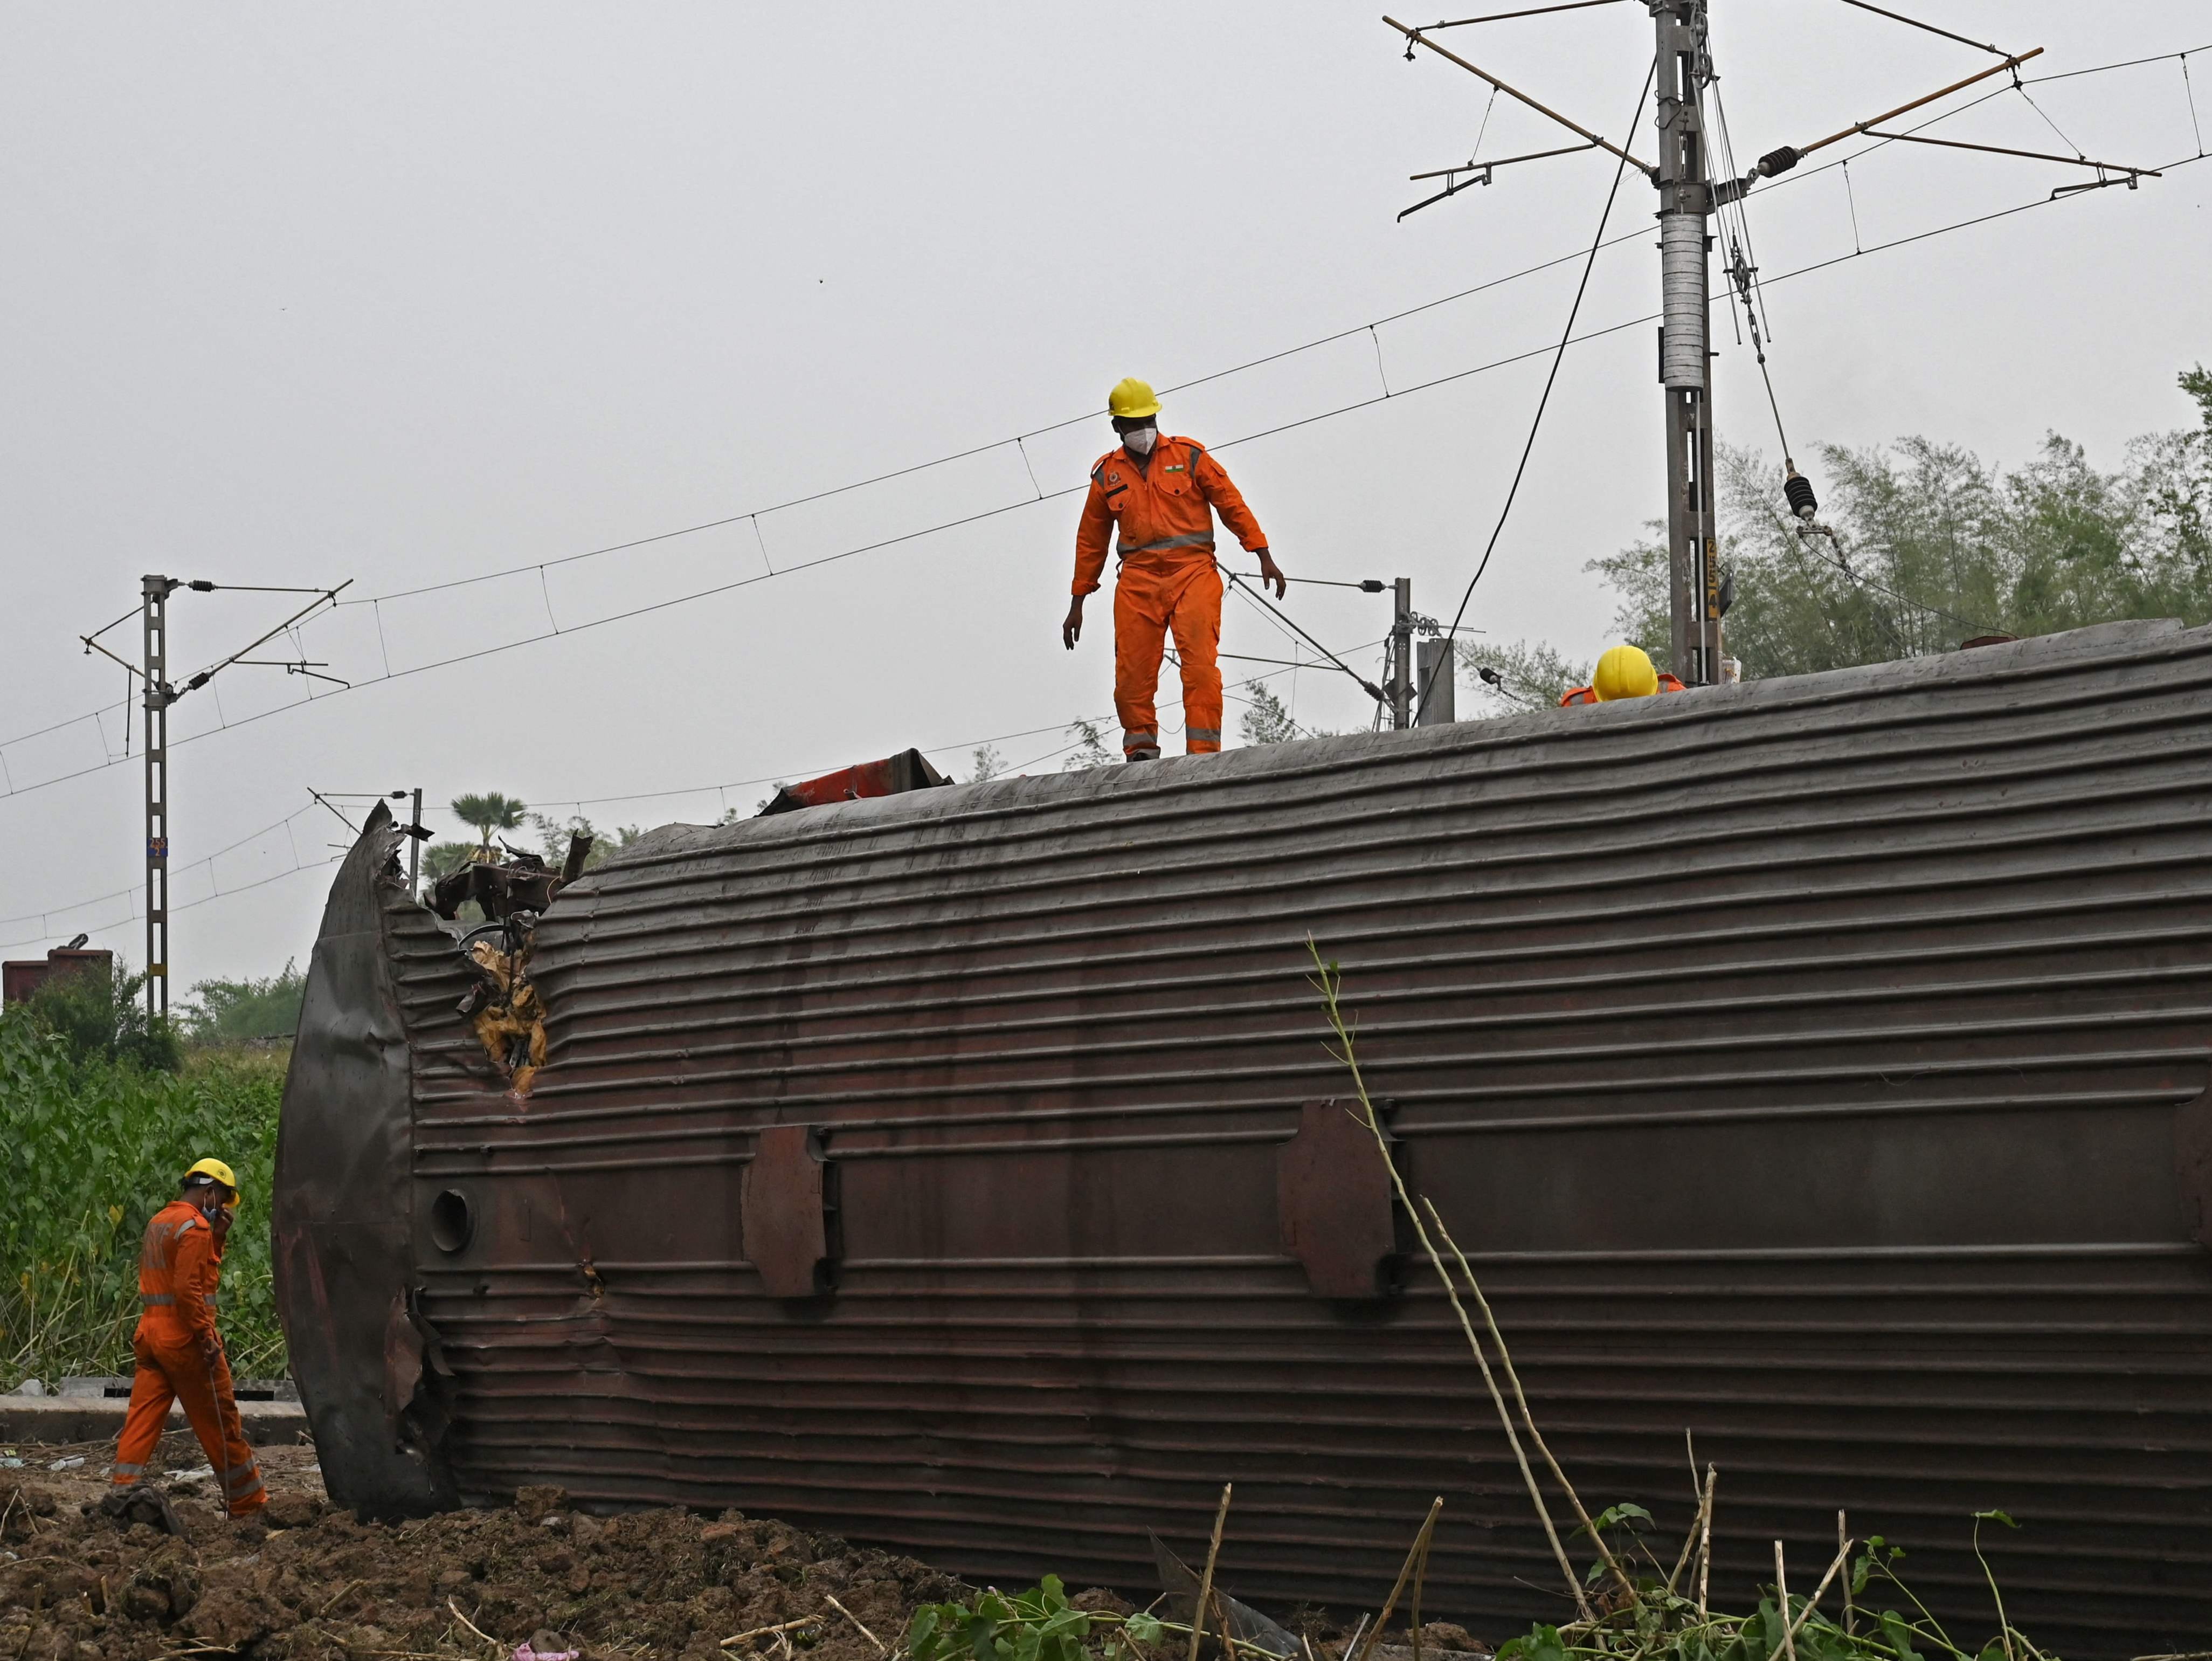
(1624, 672)
(178, 1352)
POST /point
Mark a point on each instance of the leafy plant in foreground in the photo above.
(1037, 1625)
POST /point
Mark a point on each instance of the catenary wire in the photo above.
(322, 798)
(1793, 178)
(9, 788)
(993, 513)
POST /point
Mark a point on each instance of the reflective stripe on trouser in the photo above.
(1150, 601)
(167, 1374)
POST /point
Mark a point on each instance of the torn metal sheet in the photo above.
(909, 769)
(1817, 1065)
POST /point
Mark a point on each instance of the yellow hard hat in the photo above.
(1131, 399)
(216, 1168)
(1625, 671)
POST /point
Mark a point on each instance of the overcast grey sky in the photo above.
(406, 293)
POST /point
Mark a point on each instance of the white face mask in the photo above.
(1139, 442)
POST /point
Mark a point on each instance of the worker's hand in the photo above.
(210, 1350)
(1271, 572)
(1070, 628)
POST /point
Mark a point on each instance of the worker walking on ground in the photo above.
(1624, 672)
(1160, 494)
(178, 1354)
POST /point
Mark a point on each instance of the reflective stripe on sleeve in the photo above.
(152, 1298)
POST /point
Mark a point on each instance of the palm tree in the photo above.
(488, 812)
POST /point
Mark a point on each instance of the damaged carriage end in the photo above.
(501, 1006)
(342, 1222)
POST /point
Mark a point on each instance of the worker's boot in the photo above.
(1144, 755)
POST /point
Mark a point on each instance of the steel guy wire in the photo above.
(1865, 581)
(1544, 401)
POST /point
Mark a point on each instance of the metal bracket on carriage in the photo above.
(1336, 1204)
(788, 1212)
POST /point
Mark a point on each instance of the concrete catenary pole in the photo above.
(1439, 666)
(1402, 654)
(1685, 209)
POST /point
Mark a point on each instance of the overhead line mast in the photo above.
(1689, 197)
(1685, 209)
(159, 693)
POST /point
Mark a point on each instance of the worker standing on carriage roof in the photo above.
(1161, 495)
(178, 1354)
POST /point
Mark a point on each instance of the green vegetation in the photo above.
(98, 1014)
(99, 1141)
(1526, 675)
(1933, 547)
(487, 812)
(245, 1012)
(1037, 1625)
(1267, 719)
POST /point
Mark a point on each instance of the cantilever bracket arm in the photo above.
(2033, 156)
(1480, 170)
(1415, 38)
(1781, 161)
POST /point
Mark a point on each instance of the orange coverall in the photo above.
(180, 1359)
(1163, 510)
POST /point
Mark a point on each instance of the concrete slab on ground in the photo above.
(44, 1419)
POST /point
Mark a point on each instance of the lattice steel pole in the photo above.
(155, 590)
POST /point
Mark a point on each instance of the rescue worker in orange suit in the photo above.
(1160, 494)
(178, 1354)
(1624, 672)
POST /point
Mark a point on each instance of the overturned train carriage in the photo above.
(1818, 1066)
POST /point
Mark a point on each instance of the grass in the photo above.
(1628, 1604)
(96, 1147)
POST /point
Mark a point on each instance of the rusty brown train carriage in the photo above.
(1818, 1066)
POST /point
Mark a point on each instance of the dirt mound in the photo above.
(312, 1582)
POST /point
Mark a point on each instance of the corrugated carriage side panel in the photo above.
(1813, 1067)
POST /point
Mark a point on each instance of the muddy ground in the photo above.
(311, 1584)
